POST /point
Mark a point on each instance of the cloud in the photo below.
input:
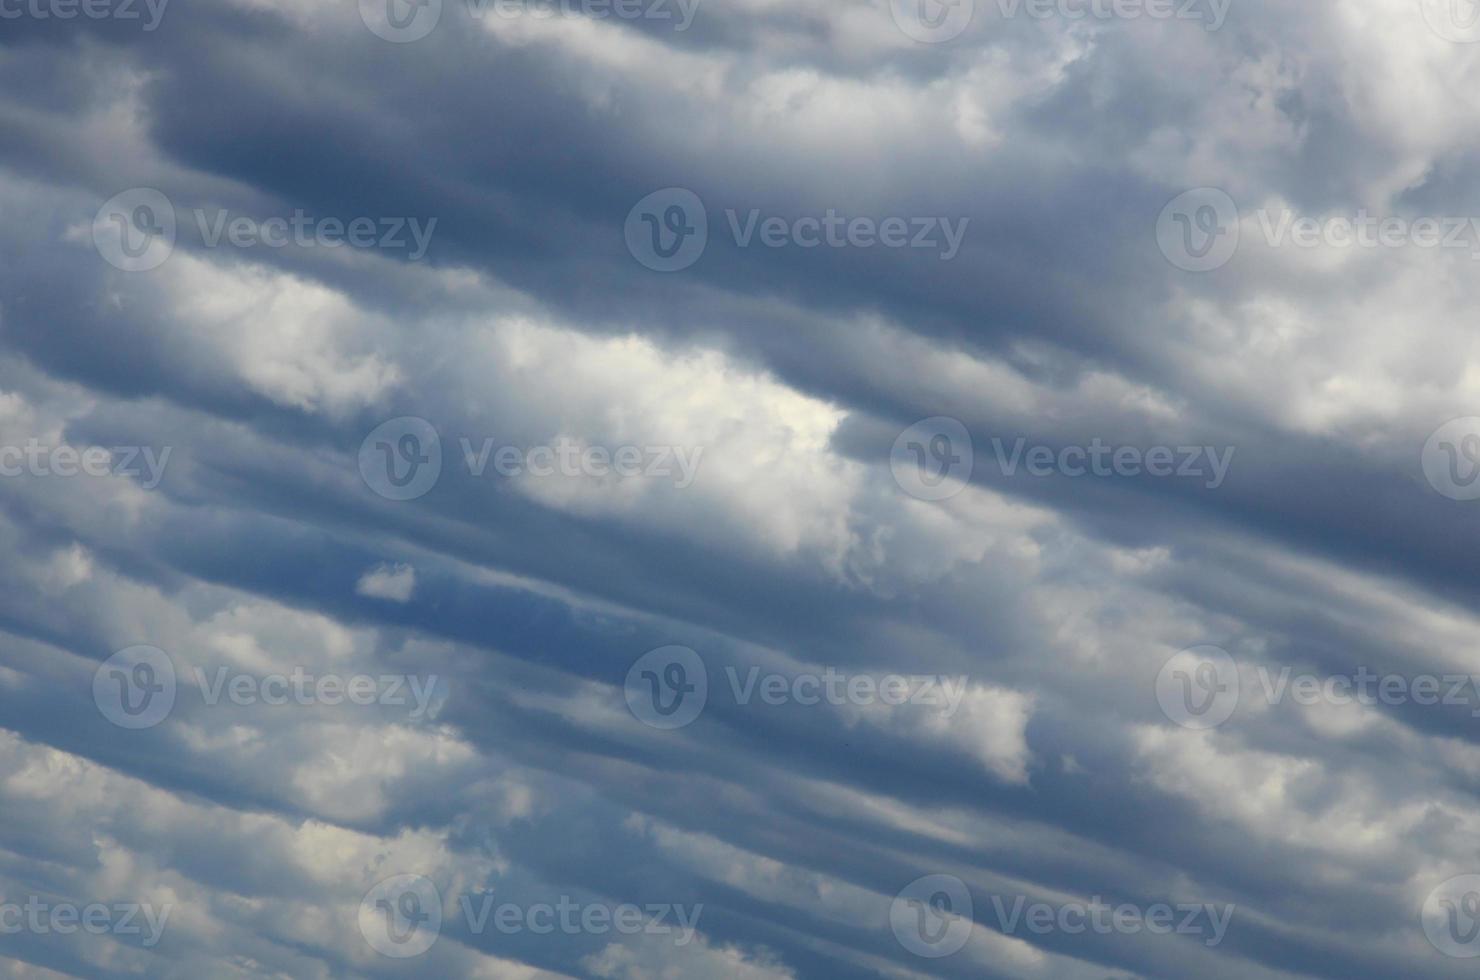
(767, 520)
(393, 582)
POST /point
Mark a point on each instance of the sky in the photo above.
(739, 489)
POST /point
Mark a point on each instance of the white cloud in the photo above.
(386, 581)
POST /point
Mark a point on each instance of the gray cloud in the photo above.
(789, 374)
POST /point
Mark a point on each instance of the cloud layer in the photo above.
(772, 467)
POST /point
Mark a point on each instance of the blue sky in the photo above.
(732, 488)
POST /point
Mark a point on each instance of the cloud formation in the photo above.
(761, 490)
